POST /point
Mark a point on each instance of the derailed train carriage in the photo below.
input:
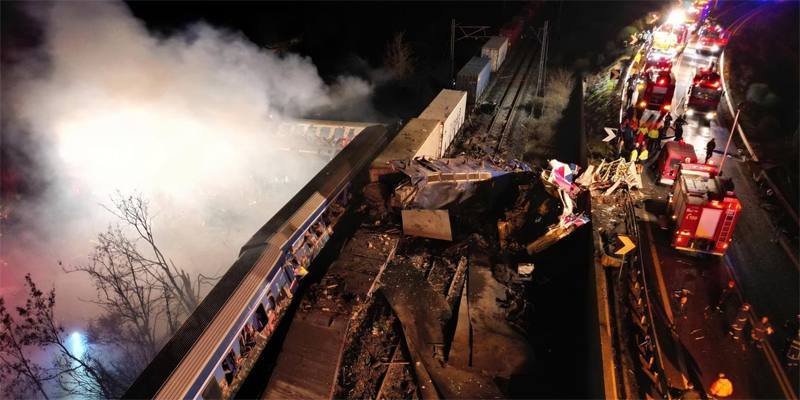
(212, 352)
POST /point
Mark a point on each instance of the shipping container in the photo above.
(449, 107)
(418, 138)
(474, 77)
(495, 50)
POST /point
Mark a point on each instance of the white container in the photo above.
(495, 50)
(418, 138)
(449, 108)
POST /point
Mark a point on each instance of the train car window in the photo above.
(260, 318)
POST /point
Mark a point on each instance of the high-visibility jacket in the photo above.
(722, 387)
(653, 133)
(634, 155)
(643, 155)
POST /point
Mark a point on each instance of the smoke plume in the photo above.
(187, 120)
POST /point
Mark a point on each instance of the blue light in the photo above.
(77, 344)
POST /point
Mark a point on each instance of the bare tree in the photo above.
(37, 329)
(20, 376)
(399, 56)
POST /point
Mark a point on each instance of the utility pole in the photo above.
(465, 32)
(540, 79)
(452, 49)
(730, 136)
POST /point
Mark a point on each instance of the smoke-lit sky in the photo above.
(183, 118)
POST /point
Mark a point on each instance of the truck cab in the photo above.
(704, 94)
(656, 91)
(670, 159)
(711, 40)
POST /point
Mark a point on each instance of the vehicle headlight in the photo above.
(715, 48)
(689, 112)
(710, 115)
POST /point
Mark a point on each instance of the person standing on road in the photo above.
(740, 323)
(682, 297)
(725, 296)
(654, 137)
(721, 388)
(667, 122)
(679, 123)
(760, 331)
(710, 149)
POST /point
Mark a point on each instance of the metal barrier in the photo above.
(643, 342)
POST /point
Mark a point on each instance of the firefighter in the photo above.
(721, 388)
(679, 123)
(682, 296)
(643, 155)
(635, 153)
(654, 137)
(725, 296)
(740, 323)
(667, 122)
(760, 331)
(710, 149)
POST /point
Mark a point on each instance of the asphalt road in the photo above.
(766, 277)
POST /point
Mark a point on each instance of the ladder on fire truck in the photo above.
(727, 223)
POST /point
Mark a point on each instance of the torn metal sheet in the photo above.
(434, 224)
(436, 184)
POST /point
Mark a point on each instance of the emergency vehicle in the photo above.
(672, 155)
(704, 94)
(657, 62)
(670, 39)
(711, 39)
(656, 92)
(697, 14)
(704, 209)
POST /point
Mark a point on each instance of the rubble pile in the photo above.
(610, 176)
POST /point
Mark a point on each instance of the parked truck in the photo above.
(704, 210)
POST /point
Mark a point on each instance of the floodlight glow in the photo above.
(77, 344)
(676, 17)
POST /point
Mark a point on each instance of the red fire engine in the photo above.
(712, 39)
(704, 94)
(672, 155)
(656, 91)
(705, 210)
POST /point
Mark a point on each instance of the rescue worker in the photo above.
(725, 296)
(679, 123)
(710, 149)
(667, 122)
(643, 155)
(635, 153)
(760, 331)
(740, 322)
(682, 296)
(653, 137)
(721, 388)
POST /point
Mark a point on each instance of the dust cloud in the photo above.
(185, 119)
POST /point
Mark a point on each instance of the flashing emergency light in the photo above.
(667, 107)
(662, 82)
(642, 104)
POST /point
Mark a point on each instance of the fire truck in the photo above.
(704, 94)
(657, 62)
(711, 40)
(704, 209)
(656, 92)
(671, 156)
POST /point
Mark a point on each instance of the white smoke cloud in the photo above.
(184, 119)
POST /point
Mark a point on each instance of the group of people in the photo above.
(640, 139)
